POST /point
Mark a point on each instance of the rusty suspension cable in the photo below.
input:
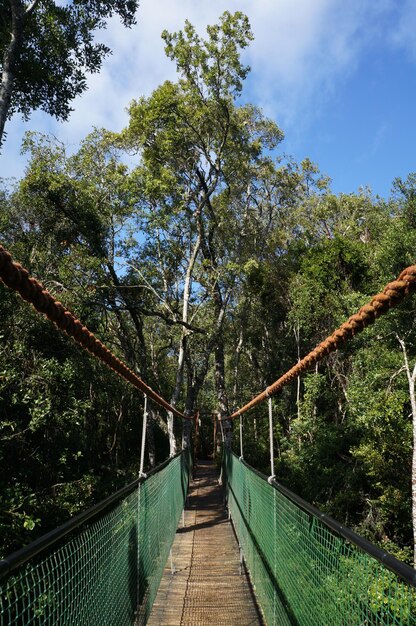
(14, 276)
(392, 294)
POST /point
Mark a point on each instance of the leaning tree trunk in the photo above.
(142, 360)
(219, 373)
(221, 391)
(193, 388)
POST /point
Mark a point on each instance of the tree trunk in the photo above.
(182, 346)
(171, 432)
(219, 370)
(315, 408)
(236, 365)
(143, 360)
(215, 421)
(194, 386)
(298, 382)
(413, 403)
(221, 391)
(136, 319)
(175, 395)
(8, 64)
(411, 377)
(186, 434)
(150, 437)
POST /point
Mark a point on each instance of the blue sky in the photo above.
(338, 77)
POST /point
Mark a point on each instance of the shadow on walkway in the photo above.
(207, 588)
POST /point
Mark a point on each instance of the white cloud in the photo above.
(376, 144)
(402, 30)
(302, 50)
(305, 49)
(138, 64)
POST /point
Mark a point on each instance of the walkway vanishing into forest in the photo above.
(209, 585)
(104, 567)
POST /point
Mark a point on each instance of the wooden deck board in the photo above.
(207, 588)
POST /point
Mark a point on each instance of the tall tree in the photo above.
(86, 198)
(200, 150)
(46, 49)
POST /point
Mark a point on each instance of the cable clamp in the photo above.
(142, 475)
(241, 458)
(267, 392)
(271, 479)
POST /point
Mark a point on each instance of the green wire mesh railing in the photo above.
(107, 571)
(304, 573)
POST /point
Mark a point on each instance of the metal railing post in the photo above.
(269, 400)
(241, 438)
(143, 445)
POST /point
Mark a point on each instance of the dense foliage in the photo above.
(211, 267)
(46, 49)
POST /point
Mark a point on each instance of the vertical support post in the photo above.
(269, 400)
(241, 437)
(141, 475)
(172, 567)
(138, 553)
(183, 518)
(143, 438)
(274, 557)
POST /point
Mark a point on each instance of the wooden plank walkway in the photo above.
(207, 587)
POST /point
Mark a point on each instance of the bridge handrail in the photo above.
(17, 278)
(407, 573)
(23, 555)
(392, 294)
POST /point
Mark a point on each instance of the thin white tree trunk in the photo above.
(182, 345)
(413, 403)
(411, 377)
(296, 332)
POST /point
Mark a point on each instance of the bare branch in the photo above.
(406, 360)
(393, 376)
(169, 321)
(152, 289)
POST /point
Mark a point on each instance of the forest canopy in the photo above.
(210, 268)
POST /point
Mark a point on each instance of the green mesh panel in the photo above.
(108, 571)
(303, 573)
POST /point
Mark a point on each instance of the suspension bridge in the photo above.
(172, 548)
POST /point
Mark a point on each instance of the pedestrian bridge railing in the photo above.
(103, 567)
(308, 570)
